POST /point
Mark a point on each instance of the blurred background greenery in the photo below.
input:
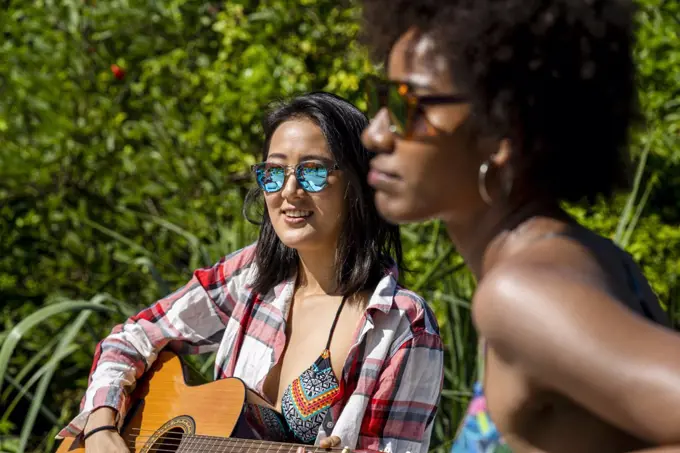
(126, 131)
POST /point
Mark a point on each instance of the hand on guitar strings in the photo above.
(329, 442)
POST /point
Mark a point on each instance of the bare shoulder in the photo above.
(550, 312)
(558, 298)
(516, 297)
(537, 271)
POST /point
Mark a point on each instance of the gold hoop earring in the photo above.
(481, 183)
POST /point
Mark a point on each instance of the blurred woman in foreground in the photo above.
(494, 112)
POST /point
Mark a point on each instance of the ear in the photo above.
(501, 158)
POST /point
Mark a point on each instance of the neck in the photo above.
(192, 443)
(317, 272)
(480, 238)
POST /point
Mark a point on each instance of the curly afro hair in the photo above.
(555, 76)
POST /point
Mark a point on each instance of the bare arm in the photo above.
(190, 320)
(568, 335)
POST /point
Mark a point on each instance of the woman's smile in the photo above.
(296, 217)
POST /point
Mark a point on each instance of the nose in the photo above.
(377, 137)
(291, 188)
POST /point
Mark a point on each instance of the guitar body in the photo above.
(165, 409)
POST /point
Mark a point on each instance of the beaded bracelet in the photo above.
(101, 428)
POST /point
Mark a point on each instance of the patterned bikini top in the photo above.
(477, 432)
(304, 403)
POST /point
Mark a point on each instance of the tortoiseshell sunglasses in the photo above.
(403, 105)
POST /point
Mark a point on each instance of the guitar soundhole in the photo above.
(169, 441)
(169, 437)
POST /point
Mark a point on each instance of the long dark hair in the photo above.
(368, 245)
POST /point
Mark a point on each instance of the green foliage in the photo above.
(126, 184)
(117, 182)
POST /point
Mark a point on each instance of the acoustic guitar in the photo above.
(170, 415)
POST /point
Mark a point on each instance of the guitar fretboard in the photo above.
(201, 444)
(174, 442)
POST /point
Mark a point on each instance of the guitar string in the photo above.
(210, 448)
(140, 434)
(204, 448)
(246, 444)
(219, 448)
(225, 446)
(252, 443)
(291, 447)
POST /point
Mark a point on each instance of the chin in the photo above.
(298, 239)
(400, 210)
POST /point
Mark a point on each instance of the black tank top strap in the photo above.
(630, 275)
(335, 321)
(637, 287)
(632, 280)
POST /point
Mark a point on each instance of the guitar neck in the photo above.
(209, 444)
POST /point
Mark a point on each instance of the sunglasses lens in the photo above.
(392, 96)
(270, 177)
(313, 177)
(374, 97)
(398, 106)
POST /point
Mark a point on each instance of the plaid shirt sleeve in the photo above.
(401, 411)
(187, 321)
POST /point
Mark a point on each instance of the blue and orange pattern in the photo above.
(306, 401)
(264, 423)
(477, 433)
(303, 406)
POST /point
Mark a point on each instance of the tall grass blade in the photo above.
(64, 343)
(24, 389)
(638, 212)
(195, 244)
(47, 413)
(117, 236)
(208, 363)
(163, 286)
(49, 440)
(31, 321)
(455, 301)
(30, 365)
(630, 202)
(425, 279)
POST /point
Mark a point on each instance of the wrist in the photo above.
(100, 429)
(100, 417)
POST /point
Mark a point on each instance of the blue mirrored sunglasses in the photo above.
(311, 176)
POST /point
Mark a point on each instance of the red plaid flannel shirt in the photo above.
(390, 384)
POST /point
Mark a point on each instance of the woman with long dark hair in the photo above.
(313, 305)
(493, 114)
